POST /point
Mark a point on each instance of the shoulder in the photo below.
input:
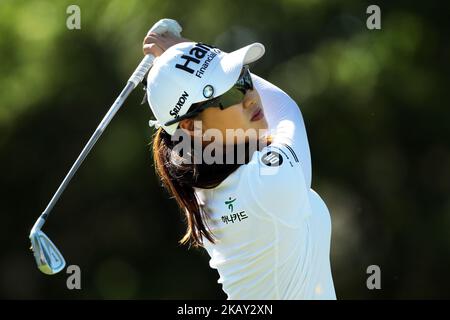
(278, 163)
(274, 179)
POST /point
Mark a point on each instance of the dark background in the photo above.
(375, 104)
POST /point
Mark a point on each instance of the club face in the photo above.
(48, 258)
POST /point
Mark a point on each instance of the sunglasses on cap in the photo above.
(231, 97)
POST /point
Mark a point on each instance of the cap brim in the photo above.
(231, 65)
(250, 53)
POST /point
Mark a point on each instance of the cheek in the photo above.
(235, 118)
(229, 118)
(208, 118)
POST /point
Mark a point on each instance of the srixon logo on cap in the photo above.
(193, 63)
(180, 103)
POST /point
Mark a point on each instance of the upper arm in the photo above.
(276, 185)
(285, 121)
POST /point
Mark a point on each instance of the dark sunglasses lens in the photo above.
(232, 97)
(244, 82)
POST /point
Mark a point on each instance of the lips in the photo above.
(257, 115)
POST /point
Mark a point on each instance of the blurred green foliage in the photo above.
(375, 107)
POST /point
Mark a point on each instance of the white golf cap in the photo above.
(191, 72)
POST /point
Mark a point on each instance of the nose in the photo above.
(249, 99)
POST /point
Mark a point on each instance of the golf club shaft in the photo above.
(164, 25)
(98, 132)
(131, 84)
(135, 78)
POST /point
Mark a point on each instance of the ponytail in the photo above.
(179, 178)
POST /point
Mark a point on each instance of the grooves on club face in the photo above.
(48, 258)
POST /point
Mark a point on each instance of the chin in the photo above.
(260, 124)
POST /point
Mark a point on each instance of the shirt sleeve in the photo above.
(286, 123)
(275, 186)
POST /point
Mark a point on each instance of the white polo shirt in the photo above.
(273, 231)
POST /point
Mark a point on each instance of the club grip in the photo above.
(142, 69)
(162, 26)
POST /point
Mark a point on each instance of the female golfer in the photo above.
(252, 208)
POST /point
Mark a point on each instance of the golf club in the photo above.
(48, 258)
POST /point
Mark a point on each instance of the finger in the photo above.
(153, 49)
(152, 33)
(151, 39)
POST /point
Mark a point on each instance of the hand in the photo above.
(156, 44)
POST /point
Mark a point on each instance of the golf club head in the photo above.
(48, 258)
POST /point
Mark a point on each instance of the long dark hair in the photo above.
(179, 178)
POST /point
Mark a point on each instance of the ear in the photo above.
(193, 127)
(188, 125)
